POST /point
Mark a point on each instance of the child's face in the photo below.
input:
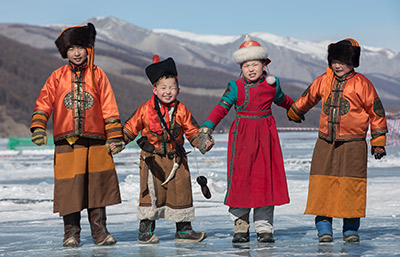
(77, 55)
(340, 68)
(166, 90)
(253, 70)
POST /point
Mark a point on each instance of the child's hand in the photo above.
(205, 139)
(293, 116)
(112, 146)
(115, 145)
(39, 137)
(378, 151)
(209, 144)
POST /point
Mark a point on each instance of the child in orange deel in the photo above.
(86, 121)
(338, 176)
(165, 184)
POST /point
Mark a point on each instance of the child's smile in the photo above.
(340, 68)
(77, 55)
(166, 90)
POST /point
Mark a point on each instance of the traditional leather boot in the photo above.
(72, 229)
(146, 229)
(185, 233)
(97, 219)
(241, 230)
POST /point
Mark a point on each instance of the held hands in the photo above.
(39, 137)
(293, 116)
(115, 145)
(378, 151)
(209, 144)
(206, 142)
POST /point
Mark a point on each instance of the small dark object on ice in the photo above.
(204, 188)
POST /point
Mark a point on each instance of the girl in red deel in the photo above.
(256, 175)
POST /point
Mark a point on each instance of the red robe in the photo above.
(256, 175)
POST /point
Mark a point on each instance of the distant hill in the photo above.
(296, 62)
(28, 56)
(24, 70)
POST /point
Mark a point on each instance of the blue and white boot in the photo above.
(324, 227)
(350, 230)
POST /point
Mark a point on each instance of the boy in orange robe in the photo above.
(86, 121)
(338, 176)
(165, 184)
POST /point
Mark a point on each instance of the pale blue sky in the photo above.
(371, 22)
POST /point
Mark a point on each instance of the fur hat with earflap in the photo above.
(252, 50)
(76, 35)
(346, 51)
(83, 36)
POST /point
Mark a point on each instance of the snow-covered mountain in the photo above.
(297, 61)
(213, 44)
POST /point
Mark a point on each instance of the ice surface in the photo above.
(28, 226)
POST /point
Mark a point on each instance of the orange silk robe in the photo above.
(346, 114)
(84, 172)
(182, 123)
(338, 176)
(172, 201)
(87, 111)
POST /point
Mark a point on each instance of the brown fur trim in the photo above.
(78, 35)
(345, 52)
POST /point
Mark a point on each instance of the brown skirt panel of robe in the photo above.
(338, 180)
(84, 176)
(172, 201)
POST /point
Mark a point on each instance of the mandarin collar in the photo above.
(346, 76)
(261, 79)
(75, 67)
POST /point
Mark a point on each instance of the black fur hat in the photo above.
(346, 51)
(158, 69)
(77, 35)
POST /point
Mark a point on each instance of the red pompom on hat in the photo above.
(158, 69)
(156, 58)
(250, 50)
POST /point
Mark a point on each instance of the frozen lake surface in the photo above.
(28, 226)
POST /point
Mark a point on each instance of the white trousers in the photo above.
(263, 217)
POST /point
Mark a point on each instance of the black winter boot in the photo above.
(72, 229)
(146, 235)
(185, 233)
(265, 237)
(97, 219)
